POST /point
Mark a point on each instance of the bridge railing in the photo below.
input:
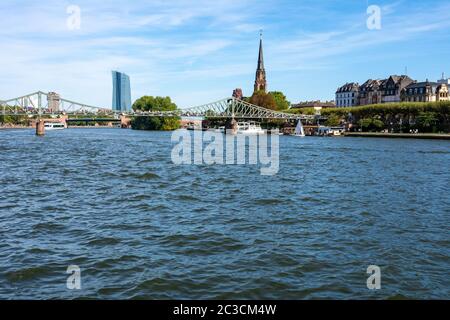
(227, 108)
(35, 104)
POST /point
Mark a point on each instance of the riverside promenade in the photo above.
(435, 136)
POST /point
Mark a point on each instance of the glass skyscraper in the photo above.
(121, 92)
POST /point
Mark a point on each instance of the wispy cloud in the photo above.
(200, 50)
(397, 28)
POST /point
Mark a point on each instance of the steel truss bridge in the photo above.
(43, 104)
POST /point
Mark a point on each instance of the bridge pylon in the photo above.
(40, 128)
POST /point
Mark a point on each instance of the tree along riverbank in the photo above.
(429, 136)
(149, 103)
(12, 122)
(404, 117)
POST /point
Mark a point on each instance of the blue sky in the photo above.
(199, 51)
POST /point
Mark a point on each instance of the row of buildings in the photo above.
(393, 89)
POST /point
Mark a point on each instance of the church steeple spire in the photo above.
(261, 55)
(260, 81)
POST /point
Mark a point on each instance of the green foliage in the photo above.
(398, 117)
(146, 123)
(365, 124)
(413, 108)
(170, 124)
(427, 121)
(280, 100)
(155, 123)
(273, 123)
(149, 103)
(371, 124)
(14, 120)
(377, 124)
(333, 120)
(307, 111)
(88, 116)
(265, 100)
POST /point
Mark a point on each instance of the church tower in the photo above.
(260, 81)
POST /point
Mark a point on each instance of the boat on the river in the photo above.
(330, 131)
(193, 127)
(54, 126)
(249, 128)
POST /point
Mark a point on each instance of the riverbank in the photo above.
(13, 127)
(399, 135)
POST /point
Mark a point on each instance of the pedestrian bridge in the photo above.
(44, 104)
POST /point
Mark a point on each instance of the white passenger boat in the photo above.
(249, 128)
(330, 131)
(54, 126)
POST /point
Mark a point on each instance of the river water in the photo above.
(111, 202)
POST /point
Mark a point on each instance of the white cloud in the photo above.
(317, 47)
(172, 47)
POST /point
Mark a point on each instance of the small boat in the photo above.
(54, 126)
(249, 128)
(330, 131)
(299, 130)
(275, 132)
(196, 127)
(337, 131)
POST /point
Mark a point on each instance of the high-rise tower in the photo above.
(121, 92)
(260, 81)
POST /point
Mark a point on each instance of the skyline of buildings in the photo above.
(393, 89)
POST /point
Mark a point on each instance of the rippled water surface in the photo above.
(112, 202)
